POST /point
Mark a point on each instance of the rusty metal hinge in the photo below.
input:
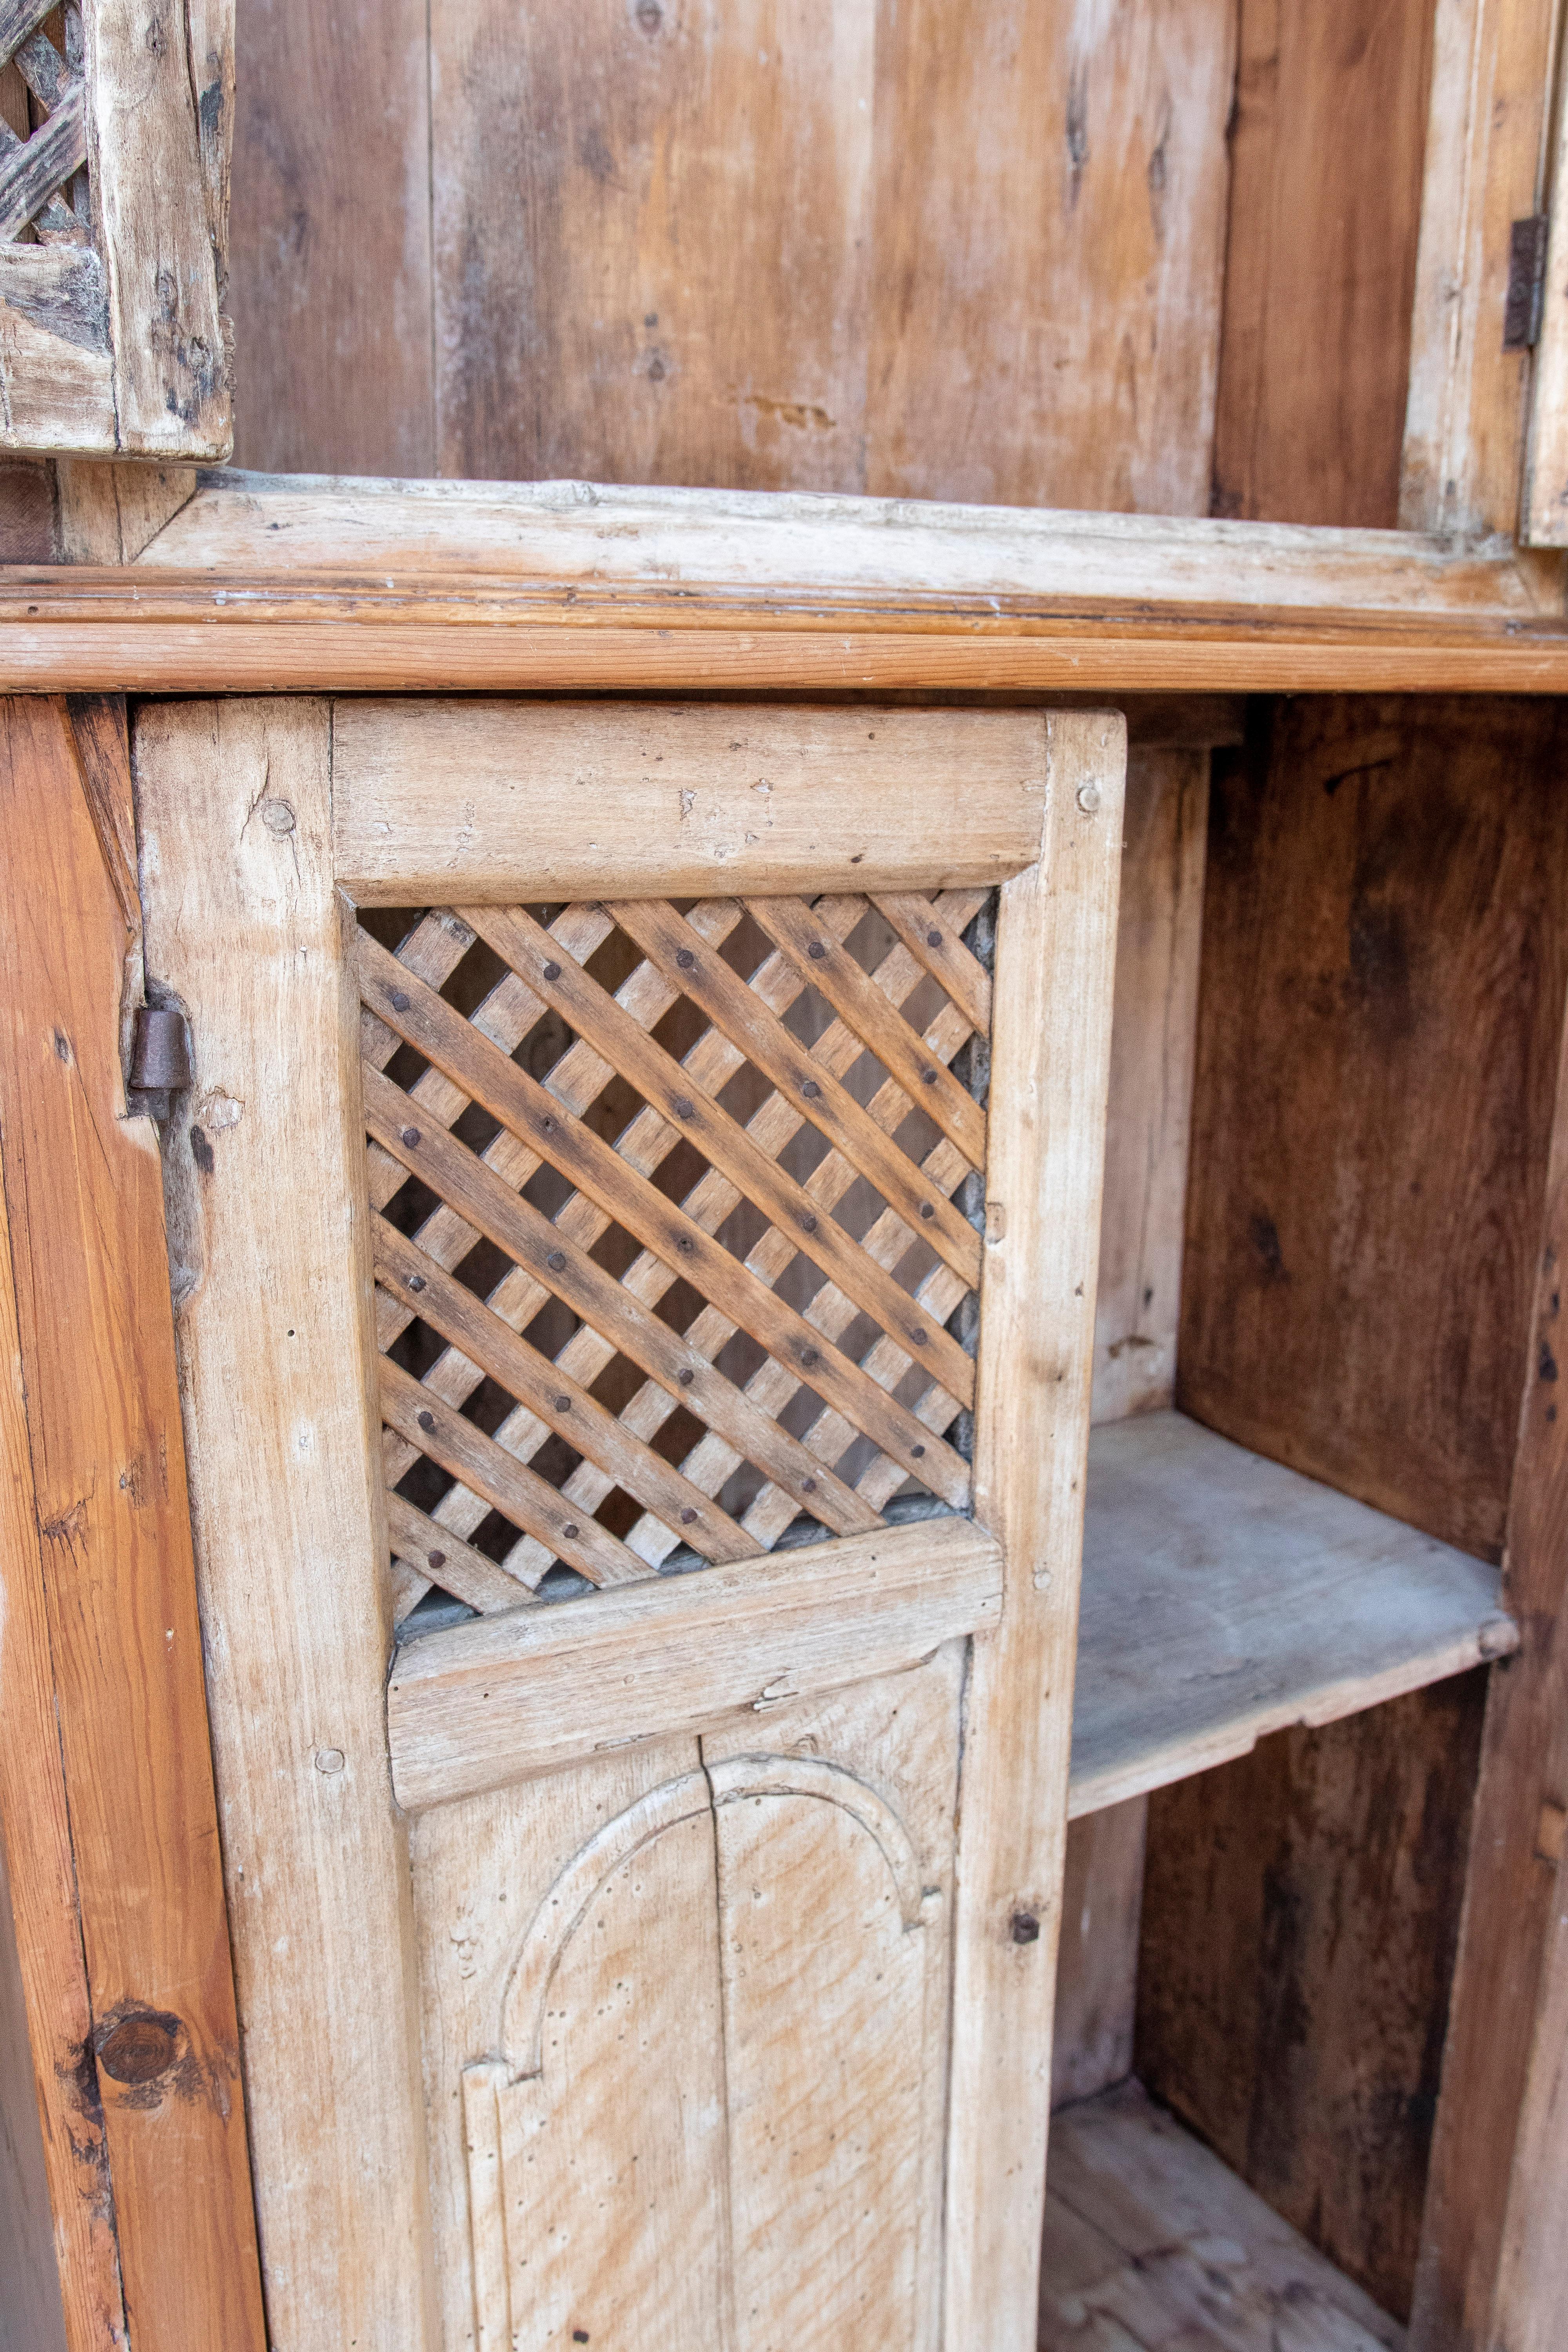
(1526, 283)
(160, 1060)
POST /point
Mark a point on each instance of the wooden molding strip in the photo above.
(509, 1697)
(266, 582)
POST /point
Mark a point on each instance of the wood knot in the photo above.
(138, 2048)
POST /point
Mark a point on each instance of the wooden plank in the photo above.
(172, 393)
(635, 2036)
(840, 1813)
(40, 1868)
(110, 514)
(766, 799)
(1545, 518)
(913, 559)
(1051, 1050)
(95, 1357)
(680, 247)
(1304, 2043)
(1097, 1963)
(330, 269)
(1147, 1120)
(1486, 2242)
(1061, 347)
(571, 1146)
(511, 1697)
(1150, 2243)
(1326, 148)
(277, 1360)
(1342, 1157)
(1226, 1598)
(1462, 464)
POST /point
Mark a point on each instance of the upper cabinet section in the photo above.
(114, 137)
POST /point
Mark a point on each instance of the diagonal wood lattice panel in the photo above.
(44, 190)
(672, 1228)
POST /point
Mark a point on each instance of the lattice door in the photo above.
(635, 1224)
(676, 1229)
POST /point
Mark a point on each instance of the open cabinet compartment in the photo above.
(1270, 1943)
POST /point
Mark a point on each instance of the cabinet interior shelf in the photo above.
(1225, 1597)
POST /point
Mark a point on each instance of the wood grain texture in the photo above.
(271, 1268)
(330, 269)
(1061, 347)
(110, 514)
(1462, 463)
(835, 1835)
(1304, 2043)
(775, 801)
(1154, 1039)
(27, 513)
(1097, 1961)
(1381, 882)
(687, 244)
(1152, 2245)
(1493, 2223)
(1224, 1598)
(151, 193)
(1320, 259)
(34, 1822)
(1051, 1050)
(653, 240)
(488, 1878)
(513, 1696)
(96, 1365)
(1545, 518)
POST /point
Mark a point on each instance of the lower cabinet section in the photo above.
(685, 2034)
(1153, 2245)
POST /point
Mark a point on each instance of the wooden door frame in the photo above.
(106, 1792)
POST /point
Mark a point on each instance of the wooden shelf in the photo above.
(1151, 2243)
(1224, 1597)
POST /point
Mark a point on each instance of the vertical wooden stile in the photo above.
(1491, 2240)
(272, 1272)
(106, 1788)
(1050, 1055)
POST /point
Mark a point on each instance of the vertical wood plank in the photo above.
(1304, 2034)
(1462, 463)
(1504, 2045)
(1154, 1040)
(1319, 267)
(1097, 1965)
(330, 253)
(653, 240)
(96, 1370)
(1546, 467)
(1384, 880)
(265, 1176)
(1051, 1050)
(1049, 238)
(32, 2310)
(35, 1824)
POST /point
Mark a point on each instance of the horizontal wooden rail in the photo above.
(508, 1697)
(270, 583)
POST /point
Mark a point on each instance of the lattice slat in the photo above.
(38, 173)
(839, 1024)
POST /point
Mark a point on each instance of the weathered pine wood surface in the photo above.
(113, 205)
(1468, 407)
(1490, 2269)
(1152, 2245)
(1225, 1597)
(271, 1271)
(1050, 1055)
(106, 1798)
